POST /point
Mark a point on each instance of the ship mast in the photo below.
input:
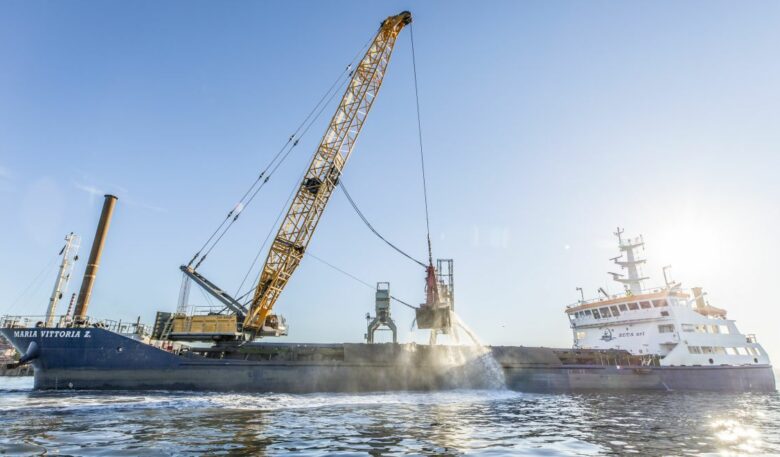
(628, 260)
(69, 257)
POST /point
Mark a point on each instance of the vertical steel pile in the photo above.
(94, 258)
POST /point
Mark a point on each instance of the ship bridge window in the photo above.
(694, 349)
(596, 314)
(724, 329)
(633, 306)
(604, 312)
(687, 328)
(742, 350)
(666, 328)
(713, 329)
(614, 310)
(660, 303)
(645, 304)
(623, 308)
(732, 351)
(587, 313)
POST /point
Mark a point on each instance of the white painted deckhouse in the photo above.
(674, 326)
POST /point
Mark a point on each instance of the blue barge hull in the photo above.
(94, 358)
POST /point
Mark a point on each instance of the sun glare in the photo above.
(696, 243)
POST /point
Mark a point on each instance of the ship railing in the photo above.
(204, 310)
(24, 321)
(66, 321)
(631, 242)
(125, 328)
(652, 290)
(29, 321)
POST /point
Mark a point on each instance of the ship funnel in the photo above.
(94, 259)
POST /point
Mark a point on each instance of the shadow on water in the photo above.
(483, 422)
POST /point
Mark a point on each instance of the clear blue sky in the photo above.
(547, 124)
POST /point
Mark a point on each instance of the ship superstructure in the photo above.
(668, 326)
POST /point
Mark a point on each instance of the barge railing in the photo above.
(67, 321)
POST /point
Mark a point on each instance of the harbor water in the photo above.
(489, 422)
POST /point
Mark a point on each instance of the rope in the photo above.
(371, 227)
(422, 156)
(35, 284)
(268, 236)
(242, 205)
(289, 198)
(265, 175)
(350, 275)
(206, 296)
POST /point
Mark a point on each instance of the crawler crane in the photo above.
(303, 215)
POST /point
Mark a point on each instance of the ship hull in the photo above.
(100, 359)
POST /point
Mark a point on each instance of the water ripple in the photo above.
(496, 422)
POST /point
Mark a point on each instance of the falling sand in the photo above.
(473, 364)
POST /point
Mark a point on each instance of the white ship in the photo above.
(669, 326)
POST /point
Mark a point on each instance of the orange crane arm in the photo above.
(324, 171)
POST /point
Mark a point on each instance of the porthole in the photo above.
(711, 361)
(119, 349)
(755, 360)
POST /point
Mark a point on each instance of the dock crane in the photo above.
(305, 211)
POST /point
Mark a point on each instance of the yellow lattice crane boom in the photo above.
(323, 174)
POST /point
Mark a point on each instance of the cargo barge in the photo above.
(97, 358)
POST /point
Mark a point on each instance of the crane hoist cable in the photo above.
(268, 171)
(365, 220)
(264, 176)
(355, 278)
(283, 208)
(420, 137)
(273, 170)
(271, 231)
(371, 227)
